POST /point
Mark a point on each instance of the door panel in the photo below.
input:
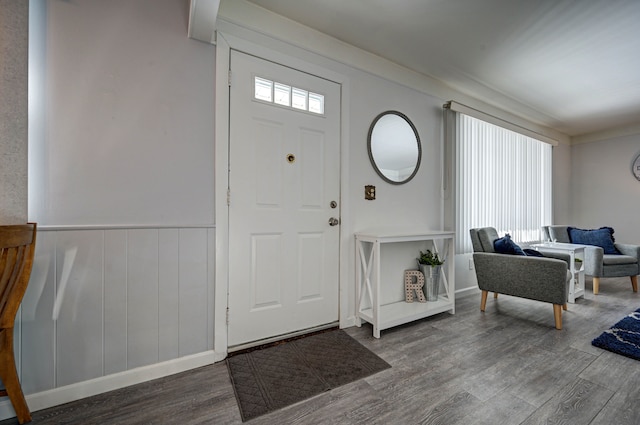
(268, 174)
(312, 158)
(309, 270)
(283, 174)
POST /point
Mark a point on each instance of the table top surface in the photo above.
(559, 245)
(399, 232)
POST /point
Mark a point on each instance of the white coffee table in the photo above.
(576, 285)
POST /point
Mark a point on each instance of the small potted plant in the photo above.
(429, 264)
(429, 258)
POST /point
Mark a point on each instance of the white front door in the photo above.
(284, 187)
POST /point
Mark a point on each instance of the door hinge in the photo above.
(228, 197)
(229, 79)
(227, 315)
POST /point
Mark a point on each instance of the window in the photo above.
(282, 94)
(263, 89)
(288, 96)
(503, 181)
(316, 103)
(299, 99)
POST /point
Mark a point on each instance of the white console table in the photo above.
(386, 315)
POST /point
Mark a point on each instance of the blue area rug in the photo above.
(623, 337)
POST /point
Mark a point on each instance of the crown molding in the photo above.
(612, 133)
(247, 15)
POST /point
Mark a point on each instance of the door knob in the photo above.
(333, 221)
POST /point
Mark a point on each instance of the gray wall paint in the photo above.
(603, 190)
(127, 134)
(14, 45)
(416, 203)
(561, 183)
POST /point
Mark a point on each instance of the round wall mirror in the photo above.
(394, 147)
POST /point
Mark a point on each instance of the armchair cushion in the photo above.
(483, 239)
(602, 237)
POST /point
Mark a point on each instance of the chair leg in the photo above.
(596, 285)
(564, 307)
(557, 315)
(495, 295)
(634, 283)
(9, 376)
(483, 300)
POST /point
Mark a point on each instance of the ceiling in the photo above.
(576, 63)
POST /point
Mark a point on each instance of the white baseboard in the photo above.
(77, 391)
(465, 291)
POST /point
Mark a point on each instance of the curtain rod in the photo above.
(468, 110)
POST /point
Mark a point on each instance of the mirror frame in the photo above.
(415, 132)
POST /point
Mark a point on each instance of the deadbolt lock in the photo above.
(333, 204)
(291, 158)
(369, 192)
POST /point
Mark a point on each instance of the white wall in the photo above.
(121, 169)
(414, 203)
(128, 129)
(562, 183)
(603, 190)
(105, 301)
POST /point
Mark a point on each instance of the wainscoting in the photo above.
(106, 300)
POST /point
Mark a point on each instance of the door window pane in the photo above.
(282, 94)
(299, 99)
(316, 103)
(263, 89)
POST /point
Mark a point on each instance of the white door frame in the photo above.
(263, 47)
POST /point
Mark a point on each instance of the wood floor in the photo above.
(505, 366)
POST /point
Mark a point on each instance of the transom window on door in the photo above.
(288, 96)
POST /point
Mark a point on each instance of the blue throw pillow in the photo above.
(602, 237)
(505, 245)
(532, 253)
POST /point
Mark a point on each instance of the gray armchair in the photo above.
(598, 264)
(535, 278)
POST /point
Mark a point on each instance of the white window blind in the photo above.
(504, 181)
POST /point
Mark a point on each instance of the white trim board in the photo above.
(80, 390)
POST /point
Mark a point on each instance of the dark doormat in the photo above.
(268, 379)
